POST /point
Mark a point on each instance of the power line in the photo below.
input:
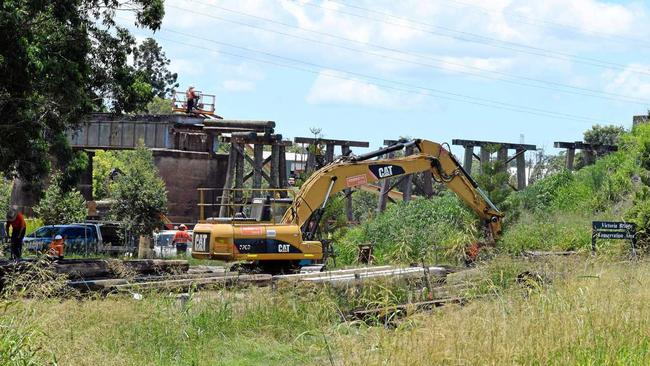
(572, 89)
(483, 40)
(405, 87)
(544, 22)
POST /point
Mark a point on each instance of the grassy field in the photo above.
(582, 311)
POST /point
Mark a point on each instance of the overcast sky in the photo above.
(438, 69)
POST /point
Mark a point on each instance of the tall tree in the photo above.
(150, 60)
(60, 60)
(139, 193)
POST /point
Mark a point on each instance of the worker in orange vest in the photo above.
(56, 247)
(181, 239)
(16, 222)
(191, 98)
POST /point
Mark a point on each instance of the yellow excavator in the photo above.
(292, 241)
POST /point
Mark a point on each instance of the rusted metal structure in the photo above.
(589, 151)
(275, 177)
(502, 155)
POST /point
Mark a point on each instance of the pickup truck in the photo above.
(163, 247)
(83, 238)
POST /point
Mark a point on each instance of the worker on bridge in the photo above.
(16, 222)
(191, 98)
(181, 239)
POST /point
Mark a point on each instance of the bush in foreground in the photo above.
(426, 230)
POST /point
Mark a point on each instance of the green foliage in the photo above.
(493, 180)
(639, 213)
(548, 231)
(541, 195)
(139, 193)
(604, 135)
(334, 217)
(17, 344)
(71, 163)
(416, 231)
(546, 166)
(556, 211)
(5, 194)
(159, 105)
(150, 59)
(59, 207)
(103, 163)
(364, 205)
(60, 60)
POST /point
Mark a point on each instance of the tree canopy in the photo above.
(605, 135)
(61, 207)
(60, 60)
(139, 193)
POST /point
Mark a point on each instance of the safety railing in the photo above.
(204, 105)
(238, 202)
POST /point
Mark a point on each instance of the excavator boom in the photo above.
(350, 172)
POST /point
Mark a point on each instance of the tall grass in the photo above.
(596, 317)
(578, 312)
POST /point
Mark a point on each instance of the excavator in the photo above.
(292, 242)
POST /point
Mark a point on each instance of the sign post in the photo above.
(613, 230)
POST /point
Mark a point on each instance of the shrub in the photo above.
(420, 230)
(139, 193)
(58, 207)
(542, 194)
(5, 194)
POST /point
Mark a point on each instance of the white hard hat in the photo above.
(58, 237)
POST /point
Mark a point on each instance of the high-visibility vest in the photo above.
(56, 248)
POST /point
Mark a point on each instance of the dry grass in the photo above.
(599, 315)
(588, 313)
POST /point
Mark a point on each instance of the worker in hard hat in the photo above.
(182, 239)
(191, 97)
(56, 247)
(16, 222)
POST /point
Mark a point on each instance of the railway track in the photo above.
(207, 275)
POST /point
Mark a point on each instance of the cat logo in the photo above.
(386, 171)
(382, 171)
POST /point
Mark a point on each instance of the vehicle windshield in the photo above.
(77, 232)
(164, 239)
(45, 232)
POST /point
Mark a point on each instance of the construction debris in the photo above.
(106, 268)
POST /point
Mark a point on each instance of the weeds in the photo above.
(16, 342)
(36, 279)
(421, 230)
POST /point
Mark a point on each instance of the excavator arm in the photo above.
(350, 172)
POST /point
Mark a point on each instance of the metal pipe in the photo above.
(383, 151)
(329, 191)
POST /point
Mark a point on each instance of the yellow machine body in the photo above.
(252, 241)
